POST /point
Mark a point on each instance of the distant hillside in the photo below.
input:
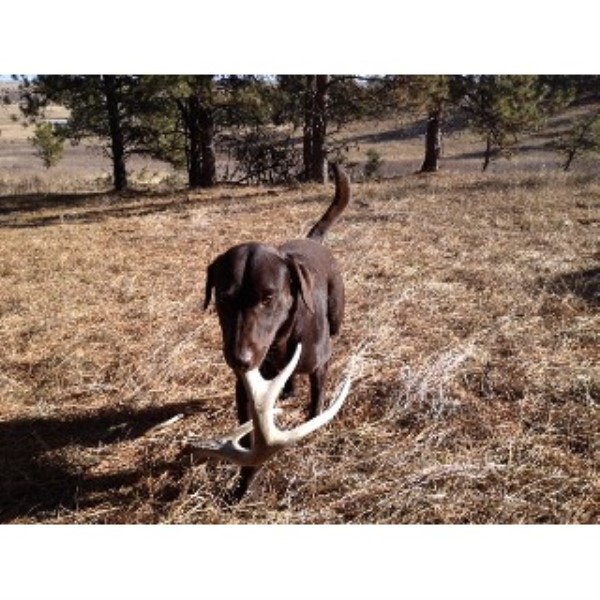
(9, 92)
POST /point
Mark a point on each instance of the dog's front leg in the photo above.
(317, 379)
(246, 474)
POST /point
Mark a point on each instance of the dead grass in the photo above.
(84, 167)
(477, 401)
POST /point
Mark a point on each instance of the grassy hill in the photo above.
(398, 142)
(473, 296)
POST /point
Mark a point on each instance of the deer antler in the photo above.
(267, 437)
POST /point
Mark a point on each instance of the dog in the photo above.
(270, 298)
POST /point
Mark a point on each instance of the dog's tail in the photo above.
(340, 201)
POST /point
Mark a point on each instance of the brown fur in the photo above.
(269, 299)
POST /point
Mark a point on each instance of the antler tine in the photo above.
(226, 447)
(267, 437)
(293, 436)
(263, 392)
(263, 395)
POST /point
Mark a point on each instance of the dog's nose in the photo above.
(243, 360)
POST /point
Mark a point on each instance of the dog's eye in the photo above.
(267, 300)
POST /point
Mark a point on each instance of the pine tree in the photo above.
(48, 144)
(100, 106)
(500, 108)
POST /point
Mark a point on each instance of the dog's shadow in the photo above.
(38, 480)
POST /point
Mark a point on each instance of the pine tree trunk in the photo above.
(433, 143)
(487, 156)
(315, 128)
(307, 132)
(202, 170)
(208, 176)
(570, 158)
(319, 153)
(116, 133)
(194, 146)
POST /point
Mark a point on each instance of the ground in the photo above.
(472, 297)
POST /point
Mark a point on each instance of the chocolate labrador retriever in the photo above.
(270, 298)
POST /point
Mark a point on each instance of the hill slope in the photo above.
(476, 299)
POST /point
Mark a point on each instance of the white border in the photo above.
(265, 36)
(299, 562)
(285, 563)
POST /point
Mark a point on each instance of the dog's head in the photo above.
(257, 289)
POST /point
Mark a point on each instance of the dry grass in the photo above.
(83, 168)
(477, 401)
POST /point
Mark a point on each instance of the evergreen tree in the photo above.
(501, 108)
(189, 114)
(320, 104)
(100, 106)
(583, 135)
(427, 96)
(48, 144)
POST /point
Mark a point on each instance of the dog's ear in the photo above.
(210, 274)
(303, 281)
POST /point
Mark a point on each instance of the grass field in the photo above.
(85, 167)
(475, 298)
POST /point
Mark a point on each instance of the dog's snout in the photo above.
(242, 359)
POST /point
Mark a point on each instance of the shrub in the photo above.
(264, 156)
(373, 165)
(48, 144)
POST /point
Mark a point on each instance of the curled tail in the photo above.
(340, 201)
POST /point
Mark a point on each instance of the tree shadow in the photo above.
(409, 131)
(584, 284)
(392, 135)
(23, 203)
(20, 212)
(23, 211)
(36, 479)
